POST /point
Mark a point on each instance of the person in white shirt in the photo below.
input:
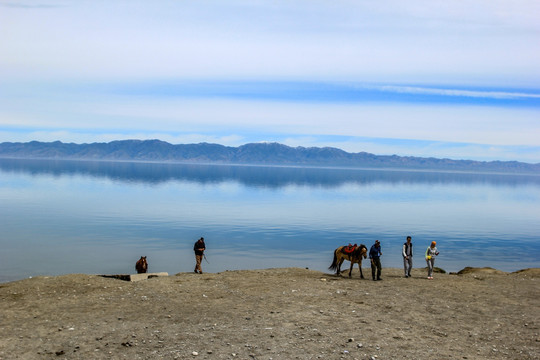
(407, 253)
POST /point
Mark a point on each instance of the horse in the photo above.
(354, 257)
(141, 265)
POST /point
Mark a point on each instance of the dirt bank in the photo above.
(273, 314)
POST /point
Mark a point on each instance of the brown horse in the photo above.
(141, 265)
(355, 257)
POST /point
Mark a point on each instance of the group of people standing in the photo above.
(375, 254)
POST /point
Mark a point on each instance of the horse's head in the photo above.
(141, 265)
(363, 250)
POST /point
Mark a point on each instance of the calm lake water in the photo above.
(61, 217)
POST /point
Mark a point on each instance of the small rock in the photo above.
(61, 352)
(360, 345)
(195, 353)
(350, 340)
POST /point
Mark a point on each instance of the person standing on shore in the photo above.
(431, 252)
(199, 248)
(375, 256)
(407, 253)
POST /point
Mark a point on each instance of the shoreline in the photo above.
(280, 313)
(344, 270)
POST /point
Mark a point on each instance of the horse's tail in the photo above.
(334, 263)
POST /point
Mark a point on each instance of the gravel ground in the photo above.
(285, 313)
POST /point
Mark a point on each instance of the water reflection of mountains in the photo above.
(256, 176)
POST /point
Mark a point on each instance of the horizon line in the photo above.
(274, 142)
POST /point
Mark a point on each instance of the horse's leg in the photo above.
(360, 267)
(351, 268)
(341, 259)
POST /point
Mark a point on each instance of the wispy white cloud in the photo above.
(389, 41)
(468, 50)
(28, 5)
(435, 122)
(457, 92)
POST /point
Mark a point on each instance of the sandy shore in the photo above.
(274, 314)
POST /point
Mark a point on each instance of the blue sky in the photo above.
(448, 79)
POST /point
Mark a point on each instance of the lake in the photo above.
(60, 217)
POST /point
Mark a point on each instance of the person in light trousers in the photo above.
(431, 252)
(407, 253)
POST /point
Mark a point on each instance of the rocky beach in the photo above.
(285, 313)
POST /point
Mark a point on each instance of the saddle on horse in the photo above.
(349, 249)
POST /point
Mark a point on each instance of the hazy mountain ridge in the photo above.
(253, 153)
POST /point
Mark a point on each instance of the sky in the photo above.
(430, 78)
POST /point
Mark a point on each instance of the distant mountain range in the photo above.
(254, 153)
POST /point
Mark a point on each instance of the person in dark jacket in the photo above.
(375, 256)
(199, 248)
